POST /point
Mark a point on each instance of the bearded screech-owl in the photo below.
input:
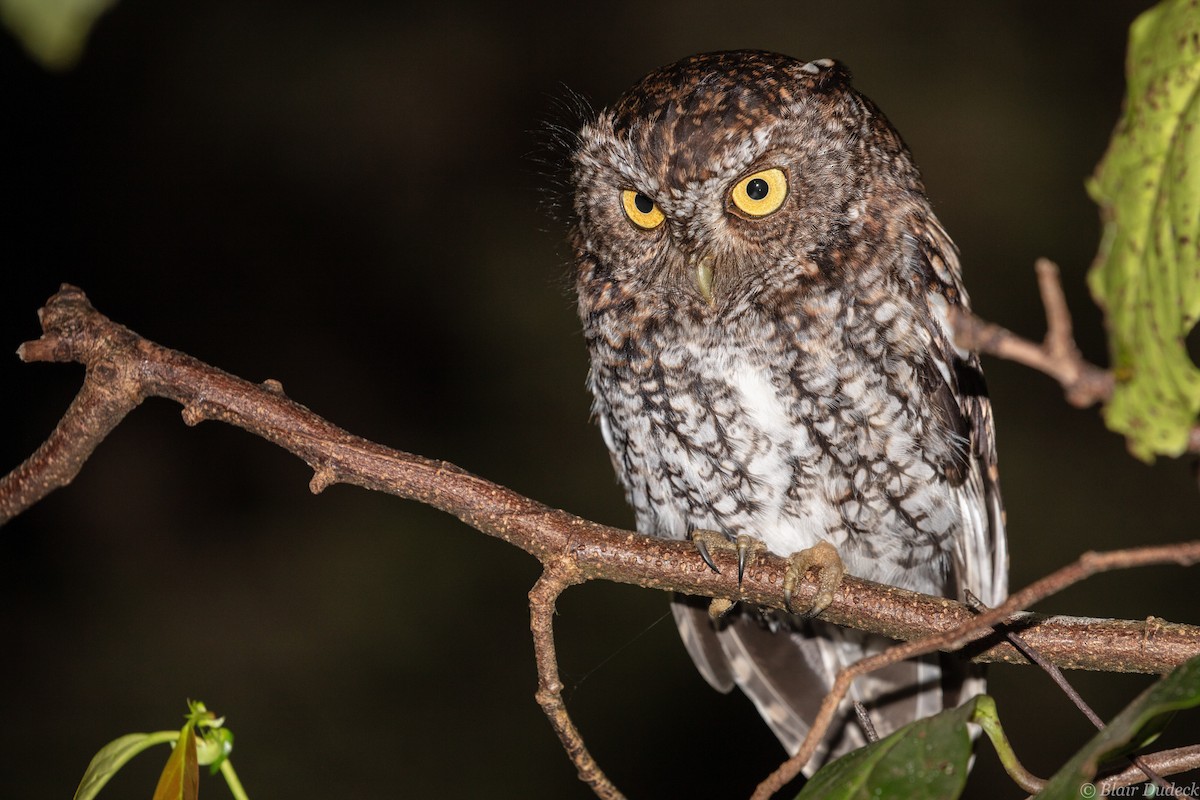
(765, 295)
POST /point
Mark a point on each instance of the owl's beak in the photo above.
(703, 276)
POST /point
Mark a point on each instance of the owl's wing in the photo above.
(981, 550)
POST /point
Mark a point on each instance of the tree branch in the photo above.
(1057, 356)
(123, 369)
(553, 582)
(1083, 383)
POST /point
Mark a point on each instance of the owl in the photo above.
(765, 295)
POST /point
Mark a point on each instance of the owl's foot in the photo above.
(744, 545)
(824, 557)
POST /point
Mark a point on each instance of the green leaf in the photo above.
(180, 779)
(115, 755)
(1177, 691)
(53, 31)
(925, 759)
(1146, 275)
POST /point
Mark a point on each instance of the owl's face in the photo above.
(725, 174)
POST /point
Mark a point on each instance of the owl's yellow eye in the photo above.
(761, 193)
(644, 212)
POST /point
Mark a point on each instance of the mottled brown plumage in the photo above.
(764, 287)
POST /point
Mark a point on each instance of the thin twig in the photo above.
(1056, 675)
(1033, 655)
(1165, 762)
(554, 580)
(1061, 680)
(1083, 383)
(1057, 356)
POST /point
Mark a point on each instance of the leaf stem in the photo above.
(235, 785)
(986, 717)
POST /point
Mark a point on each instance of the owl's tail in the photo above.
(787, 666)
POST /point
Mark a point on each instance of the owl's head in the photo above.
(724, 174)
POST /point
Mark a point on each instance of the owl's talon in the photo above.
(701, 543)
(830, 571)
(745, 546)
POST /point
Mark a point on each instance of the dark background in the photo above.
(350, 198)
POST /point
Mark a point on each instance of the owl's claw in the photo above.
(830, 571)
(700, 539)
(822, 556)
(745, 546)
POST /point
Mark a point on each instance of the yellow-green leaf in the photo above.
(1146, 275)
(53, 31)
(115, 755)
(180, 779)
